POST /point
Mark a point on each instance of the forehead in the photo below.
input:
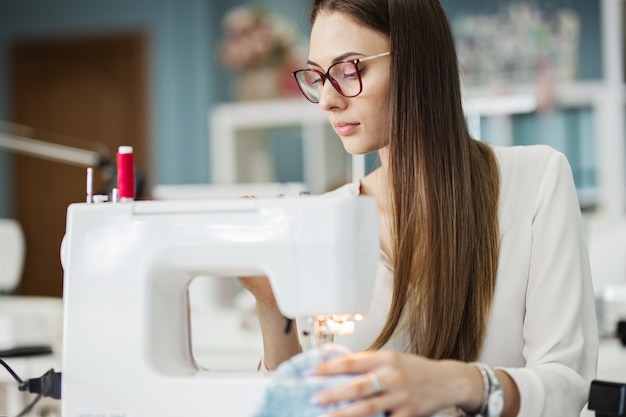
(333, 34)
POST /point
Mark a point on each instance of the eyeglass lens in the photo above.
(344, 76)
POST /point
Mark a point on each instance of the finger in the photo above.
(402, 412)
(366, 385)
(388, 404)
(392, 404)
(357, 363)
(377, 387)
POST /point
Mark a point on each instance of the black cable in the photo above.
(30, 406)
(13, 374)
(47, 385)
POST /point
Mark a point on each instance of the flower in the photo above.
(255, 37)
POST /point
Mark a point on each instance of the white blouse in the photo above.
(542, 328)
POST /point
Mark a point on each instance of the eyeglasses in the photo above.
(345, 76)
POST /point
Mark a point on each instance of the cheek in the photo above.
(375, 110)
(378, 98)
(377, 88)
(380, 118)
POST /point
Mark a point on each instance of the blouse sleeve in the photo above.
(560, 329)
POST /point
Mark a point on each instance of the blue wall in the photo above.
(179, 69)
(184, 75)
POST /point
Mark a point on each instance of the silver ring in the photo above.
(378, 388)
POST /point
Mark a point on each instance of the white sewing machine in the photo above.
(126, 348)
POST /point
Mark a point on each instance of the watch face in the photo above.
(495, 404)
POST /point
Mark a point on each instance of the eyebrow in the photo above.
(340, 58)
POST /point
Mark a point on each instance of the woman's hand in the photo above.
(400, 384)
(278, 345)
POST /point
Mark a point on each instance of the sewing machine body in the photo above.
(126, 348)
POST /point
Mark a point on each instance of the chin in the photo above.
(354, 147)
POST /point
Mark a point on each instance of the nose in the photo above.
(330, 98)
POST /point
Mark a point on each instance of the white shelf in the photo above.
(235, 127)
(521, 99)
(323, 156)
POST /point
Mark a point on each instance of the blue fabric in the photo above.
(292, 387)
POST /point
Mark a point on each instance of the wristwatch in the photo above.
(493, 400)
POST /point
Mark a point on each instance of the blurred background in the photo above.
(202, 91)
(185, 83)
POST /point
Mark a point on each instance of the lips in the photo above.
(343, 128)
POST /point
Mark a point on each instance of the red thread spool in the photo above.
(126, 173)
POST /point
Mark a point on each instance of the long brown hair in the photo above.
(445, 233)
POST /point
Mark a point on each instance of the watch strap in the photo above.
(486, 385)
(491, 388)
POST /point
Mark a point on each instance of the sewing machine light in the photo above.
(325, 327)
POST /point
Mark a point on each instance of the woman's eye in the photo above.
(350, 75)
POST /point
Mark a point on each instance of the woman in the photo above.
(485, 302)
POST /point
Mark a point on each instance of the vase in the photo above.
(261, 83)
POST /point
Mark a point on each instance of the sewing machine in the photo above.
(126, 349)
